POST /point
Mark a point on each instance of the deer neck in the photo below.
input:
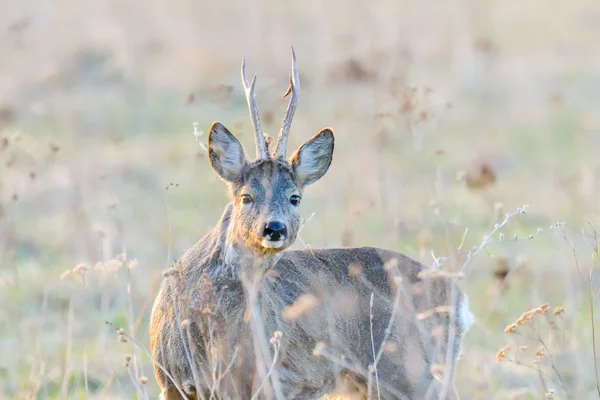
(249, 263)
(236, 260)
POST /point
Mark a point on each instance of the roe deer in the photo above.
(241, 317)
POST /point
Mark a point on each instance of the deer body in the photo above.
(241, 317)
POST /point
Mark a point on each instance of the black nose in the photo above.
(275, 231)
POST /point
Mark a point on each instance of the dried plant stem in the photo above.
(168, 215)
(552, 364)
(85, 375)
(137, 365)
(269, 372)
(539, 371)
(544, 386)
(302, 225)
(596, 249)
(592, 298)
(594, 349)
(159, 365)
(67, 372)
(373, 348)
(226, 371)
(133, 378)
(189, 349)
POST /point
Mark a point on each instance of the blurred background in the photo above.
(448, 116)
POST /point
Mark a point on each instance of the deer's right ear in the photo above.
(225, 152)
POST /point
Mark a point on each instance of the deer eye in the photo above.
(247, 199)
(295, 200)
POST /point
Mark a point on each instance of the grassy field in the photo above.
(447, 117)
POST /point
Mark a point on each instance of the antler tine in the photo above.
(261, 146)
(294, 89)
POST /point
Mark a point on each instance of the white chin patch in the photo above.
(271, 244)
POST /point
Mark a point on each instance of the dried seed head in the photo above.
(185, 324)
(302, 305)
(170, 272)
(318, 350)
(276, 336)
(539, 352)
(437, 370)
(80, 269)
(502, 353)
(355, 270)
(390, 347)
(558, 310)
(543, 309)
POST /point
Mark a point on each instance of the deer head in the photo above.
(266, 193)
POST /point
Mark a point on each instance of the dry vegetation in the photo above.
(447, 115)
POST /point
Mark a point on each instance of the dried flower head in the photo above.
(502, 353)
(170, 272)
(390, 347)
(318, 350)
(132, 263)
(558, 310)
(303, 304)
(539, 352)
(80, 269)
(527, 317)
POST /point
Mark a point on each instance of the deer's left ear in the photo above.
(313, 158)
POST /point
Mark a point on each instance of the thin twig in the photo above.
(373, 348)
(591, 298)
(85, 375)
(591, 302)
(67, 372)
(276, 345)
(137, 365)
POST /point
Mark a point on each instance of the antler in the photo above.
(261, 145)
(294, 89)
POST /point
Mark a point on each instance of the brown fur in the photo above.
(205, 287)
(238, 315)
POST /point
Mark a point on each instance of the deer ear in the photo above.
(225, 152)
(313, 158)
